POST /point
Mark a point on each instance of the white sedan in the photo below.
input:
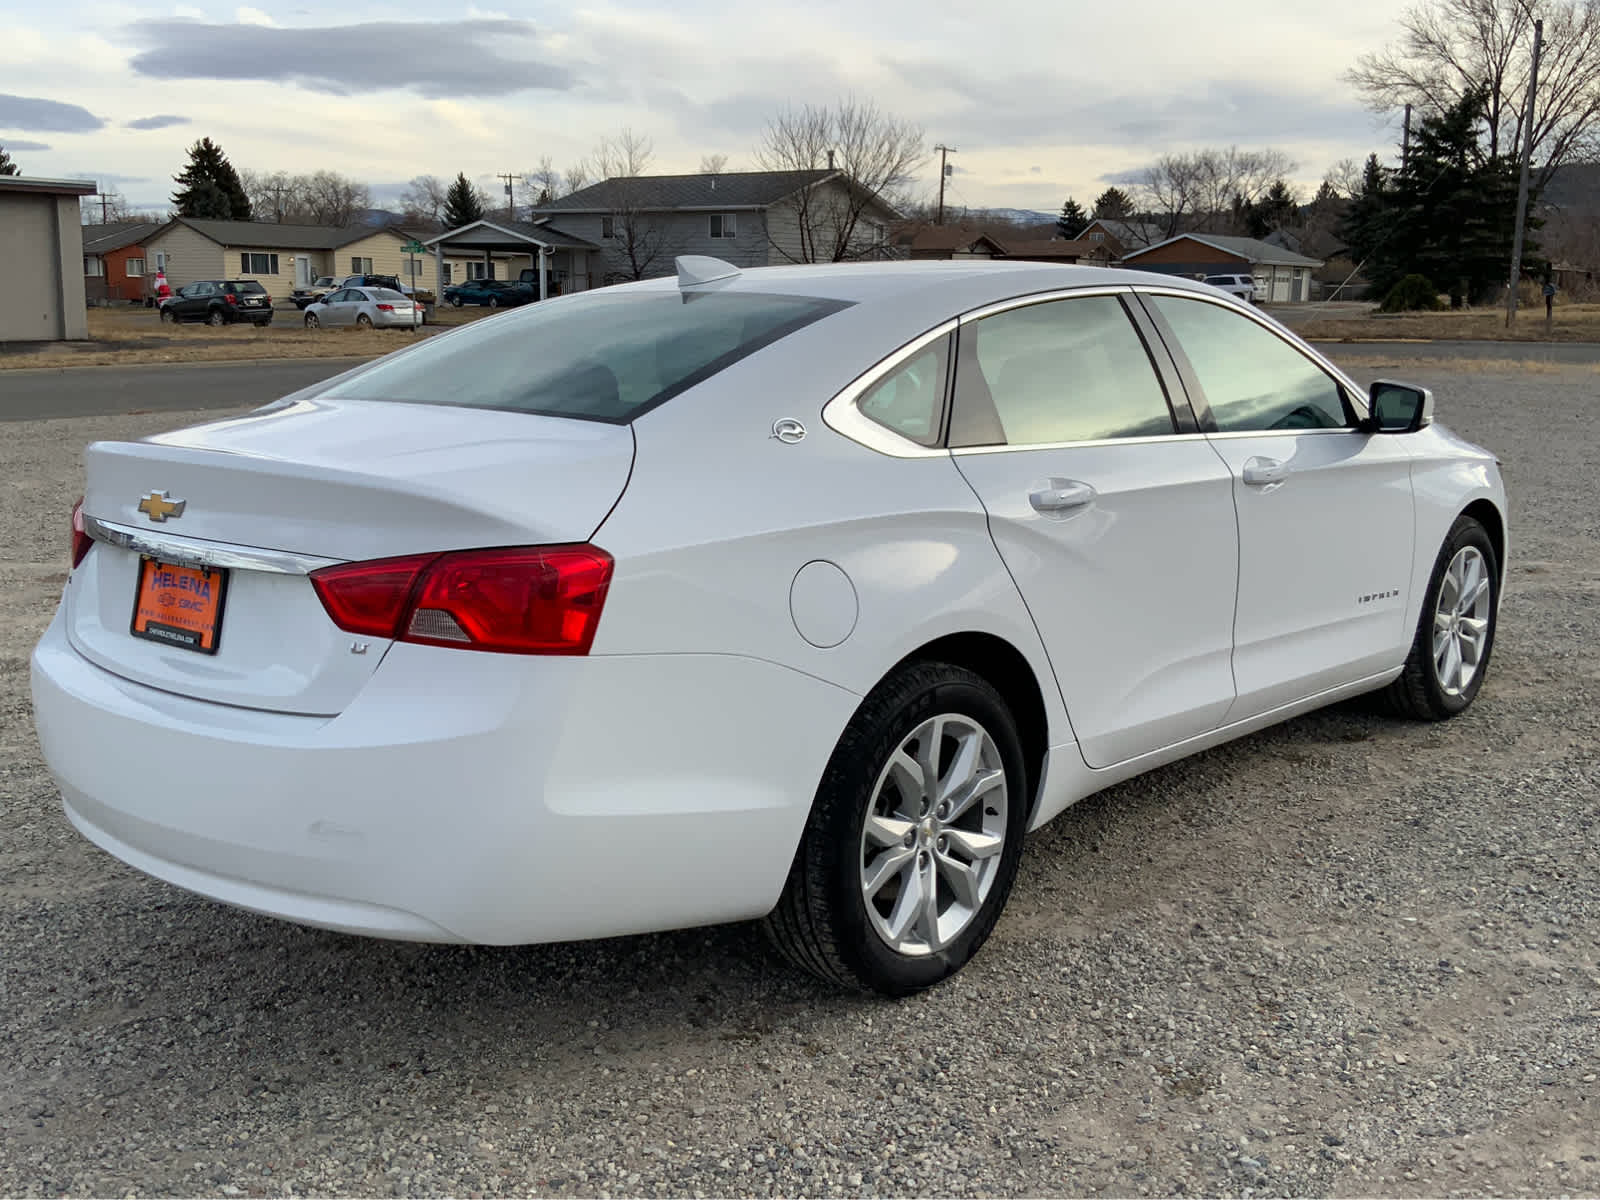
(368, 307)
(797, 594)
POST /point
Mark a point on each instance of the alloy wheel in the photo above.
(1461, 621)
(934, 832)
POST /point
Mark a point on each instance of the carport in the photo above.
(550, 252)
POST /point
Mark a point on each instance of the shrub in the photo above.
(1412, 294)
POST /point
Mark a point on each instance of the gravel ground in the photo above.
(1346, 956)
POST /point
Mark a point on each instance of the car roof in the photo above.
(959, 286)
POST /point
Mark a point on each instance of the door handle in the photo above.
(1259, 472)
(1059, 495)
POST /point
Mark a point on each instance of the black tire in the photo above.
(1418, 692)
(168, 317)
(455, 301)
(363, 320)
(821, 923)
(493, 301)
(312, 321)
(216, 318)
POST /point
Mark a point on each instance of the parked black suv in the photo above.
(219, 302)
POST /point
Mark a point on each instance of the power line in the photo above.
(511, 208)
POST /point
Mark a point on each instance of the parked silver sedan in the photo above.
(365, 306)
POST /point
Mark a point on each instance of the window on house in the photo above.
(92, 265)
(608, 227)
(445, 280)
(258, 264)
(1097, 236)
(480, 270)
(723, 225)
(134, 268)
(161, 261)
(414, 267)
(360, 266)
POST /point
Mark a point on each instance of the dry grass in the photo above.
(1573, 323)
(1466, 366)
(136, 335)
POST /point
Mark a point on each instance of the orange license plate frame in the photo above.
(179, 605)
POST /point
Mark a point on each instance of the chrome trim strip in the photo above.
(199, 553)
(1236, 434)
(843, 417)
(1006, 305)
(1121, 441)
(1356, 395)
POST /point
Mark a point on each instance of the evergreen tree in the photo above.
(1273, 211)
(462, 205)
(209, 186)
(1446, 215)
(7, 167)
(1072, 220)
(1114, 204)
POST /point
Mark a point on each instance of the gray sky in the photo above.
(1042, 98)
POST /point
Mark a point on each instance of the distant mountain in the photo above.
(1575, 186)
(1022, 216)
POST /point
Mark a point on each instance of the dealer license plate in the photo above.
(179, 606)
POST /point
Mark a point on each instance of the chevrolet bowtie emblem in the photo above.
(158, 506)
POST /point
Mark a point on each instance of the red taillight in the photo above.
(81, 541)
(520, 600)
(385, 308)
(230, 297)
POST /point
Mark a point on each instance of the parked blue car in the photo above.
(495, 293)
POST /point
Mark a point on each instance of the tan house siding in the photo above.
(190, 255)
(783, 227)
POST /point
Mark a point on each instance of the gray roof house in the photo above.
(747, 218)
(1285, 274)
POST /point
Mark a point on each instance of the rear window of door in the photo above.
(1073, 370)
(1253, 380)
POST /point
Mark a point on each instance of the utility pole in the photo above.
(511, 207)
(943, 171)
(1522, 182)
(1405, 141)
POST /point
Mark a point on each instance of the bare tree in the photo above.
(272, 194)
(1451, 48)
(1208, 191)
(577, 176)
(877, 156)
(1345, 177)
(329, 198)
(713, 164)
(544, 182)
(424, 199)
(640, 241)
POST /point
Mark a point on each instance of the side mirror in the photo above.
(1398, 407)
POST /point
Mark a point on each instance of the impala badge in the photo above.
(158, 506)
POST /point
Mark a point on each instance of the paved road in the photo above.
(28, 395)
(100, 391)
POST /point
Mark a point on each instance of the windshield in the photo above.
(598, 357)
(249, 286)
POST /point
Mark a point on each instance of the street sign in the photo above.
(414, 247)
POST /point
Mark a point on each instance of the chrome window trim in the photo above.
(1234, 434)
(200, 553)
(843, 417)
(1088, 445)
(1357, 397)
(1000, 306)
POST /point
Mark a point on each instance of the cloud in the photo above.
(433, 58)
(14, 145)
(46, 116)
(252, 16)
(163, 121)
(1125, 178)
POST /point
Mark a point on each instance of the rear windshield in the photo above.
(386, 294)
(599, 357)
(248, 286)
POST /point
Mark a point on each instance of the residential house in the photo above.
(1060, 250)
(1122, 237)
(41, 245)
(1287, 275)
(943, 242)
(747, 218)
(114, 262)
(282, 257)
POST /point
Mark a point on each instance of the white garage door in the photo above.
(1281, 284)
(30, 304)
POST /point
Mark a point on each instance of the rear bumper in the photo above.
(461, 797)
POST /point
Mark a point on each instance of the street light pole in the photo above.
(1522, 181)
